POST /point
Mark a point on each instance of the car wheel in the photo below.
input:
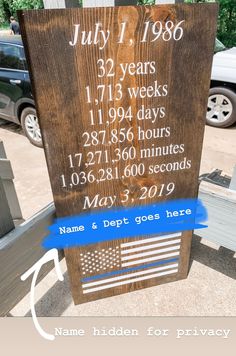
(29, 122)
(221, 107)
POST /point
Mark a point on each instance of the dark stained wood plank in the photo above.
(60, 74)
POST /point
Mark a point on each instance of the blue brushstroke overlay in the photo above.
(95, 232)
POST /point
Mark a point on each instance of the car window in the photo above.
(11, 57)
(23, 59)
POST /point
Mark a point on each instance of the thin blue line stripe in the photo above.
(113, 273)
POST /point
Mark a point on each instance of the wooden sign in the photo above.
(122, 94)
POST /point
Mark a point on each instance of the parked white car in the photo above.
(221, 110)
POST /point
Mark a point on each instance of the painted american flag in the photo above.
(130, 262)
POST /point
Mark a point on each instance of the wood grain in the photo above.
(60, 73)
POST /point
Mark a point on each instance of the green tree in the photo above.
(9, 7)
(26, 4)
(227, 22)
(5, 11)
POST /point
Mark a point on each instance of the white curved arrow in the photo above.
(51, 255)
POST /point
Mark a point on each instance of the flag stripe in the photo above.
(148, 247)
(152, 239)
(124, 276)
(143, 260)
(148, 253)
(131, 269)
(116, 284)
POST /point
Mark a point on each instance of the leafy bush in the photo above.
(9, 7)
(227, 22)
(26, 4)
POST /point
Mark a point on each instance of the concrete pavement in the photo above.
(29, 167)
